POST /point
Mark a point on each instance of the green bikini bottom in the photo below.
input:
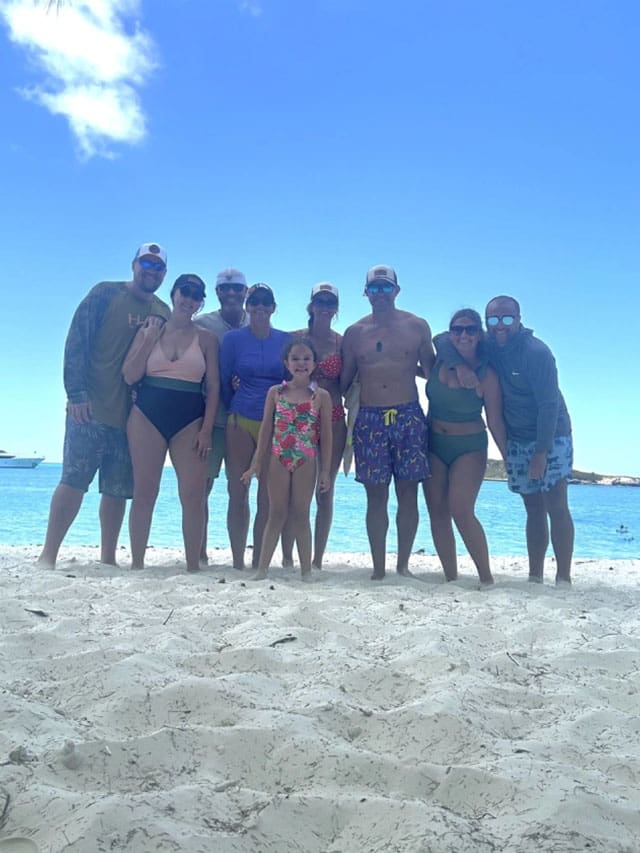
(448, 447)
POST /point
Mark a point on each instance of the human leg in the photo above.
(303, 481)
(377, 525)
(83, 448)
(537, 534)
(465, 478)
(287, 540)
(562, 530)
(216, 458)
(279, 486)
(240, 448)
(406, 521)
(148, 451)
(436, 493)
(111, 511)
(116, 487)
(191, 471)
(324, 500)
(262, 514)
(65, 504)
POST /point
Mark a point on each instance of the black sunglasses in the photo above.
(325, 300)
(470, 330)
(507, 320)
(260, 299)
(235, 286)
(191, 291)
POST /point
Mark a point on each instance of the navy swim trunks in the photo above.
(390, 441)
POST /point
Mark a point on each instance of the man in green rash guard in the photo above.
(539, 443)
(99, 337)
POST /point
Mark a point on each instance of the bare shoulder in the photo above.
(412, 320)
(323, 397)
(359, 326)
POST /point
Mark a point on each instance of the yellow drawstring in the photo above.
(389, 416)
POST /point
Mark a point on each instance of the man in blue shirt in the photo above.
(539, 444)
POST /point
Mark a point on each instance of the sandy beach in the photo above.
(160, 711)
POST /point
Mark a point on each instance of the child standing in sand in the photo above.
(296, 424)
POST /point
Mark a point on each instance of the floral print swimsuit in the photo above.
(296, 431)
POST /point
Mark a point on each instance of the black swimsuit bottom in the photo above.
(170, 410)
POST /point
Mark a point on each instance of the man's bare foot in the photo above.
(378, 575)
(193, 569)
(536, 579)
(287, 562)
(563, 582)
(306, 576)
(260, 575)
(137, 567)
(45, 562)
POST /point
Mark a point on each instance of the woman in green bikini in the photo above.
(458, 446)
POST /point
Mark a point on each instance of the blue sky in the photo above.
(478, 147)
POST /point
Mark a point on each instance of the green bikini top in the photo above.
(455, 405)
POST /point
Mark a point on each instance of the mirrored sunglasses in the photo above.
(158, 266)
(380, 288)
(505, 319)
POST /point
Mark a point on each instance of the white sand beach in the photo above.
(161, 711)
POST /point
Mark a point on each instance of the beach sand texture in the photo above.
(160, 711)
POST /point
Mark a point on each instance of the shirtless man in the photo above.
(390, 433)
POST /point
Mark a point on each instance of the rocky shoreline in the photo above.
(496, 471)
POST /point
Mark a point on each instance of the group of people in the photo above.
(143, 378)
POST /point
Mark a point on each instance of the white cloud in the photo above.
(90, 56)
(253, 7)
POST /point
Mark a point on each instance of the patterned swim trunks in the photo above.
(559, 465)
(95, 447)
(390, 441)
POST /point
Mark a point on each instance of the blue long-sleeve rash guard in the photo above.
(257, 363)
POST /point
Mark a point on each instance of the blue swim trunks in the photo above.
(390, 441)
(559, 465)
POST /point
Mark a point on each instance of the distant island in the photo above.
(495, 471)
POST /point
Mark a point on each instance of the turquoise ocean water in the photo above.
(598, 512)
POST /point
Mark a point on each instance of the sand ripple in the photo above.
(157, 711)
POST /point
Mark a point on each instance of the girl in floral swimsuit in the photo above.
(322, 310)
(296, 424)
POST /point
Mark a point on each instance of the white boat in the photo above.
(7, 460)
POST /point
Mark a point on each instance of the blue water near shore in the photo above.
(598, 512)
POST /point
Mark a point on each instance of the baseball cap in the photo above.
(382, 273)
(260, 288)
(231, 276)
(324, 287)
(151, 249)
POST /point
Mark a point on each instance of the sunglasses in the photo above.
(158, 266)
(470, 330)
(505, 319)
(260, 299)
(235, 286)
(190, 291)
(380, 288)
(330, 302)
